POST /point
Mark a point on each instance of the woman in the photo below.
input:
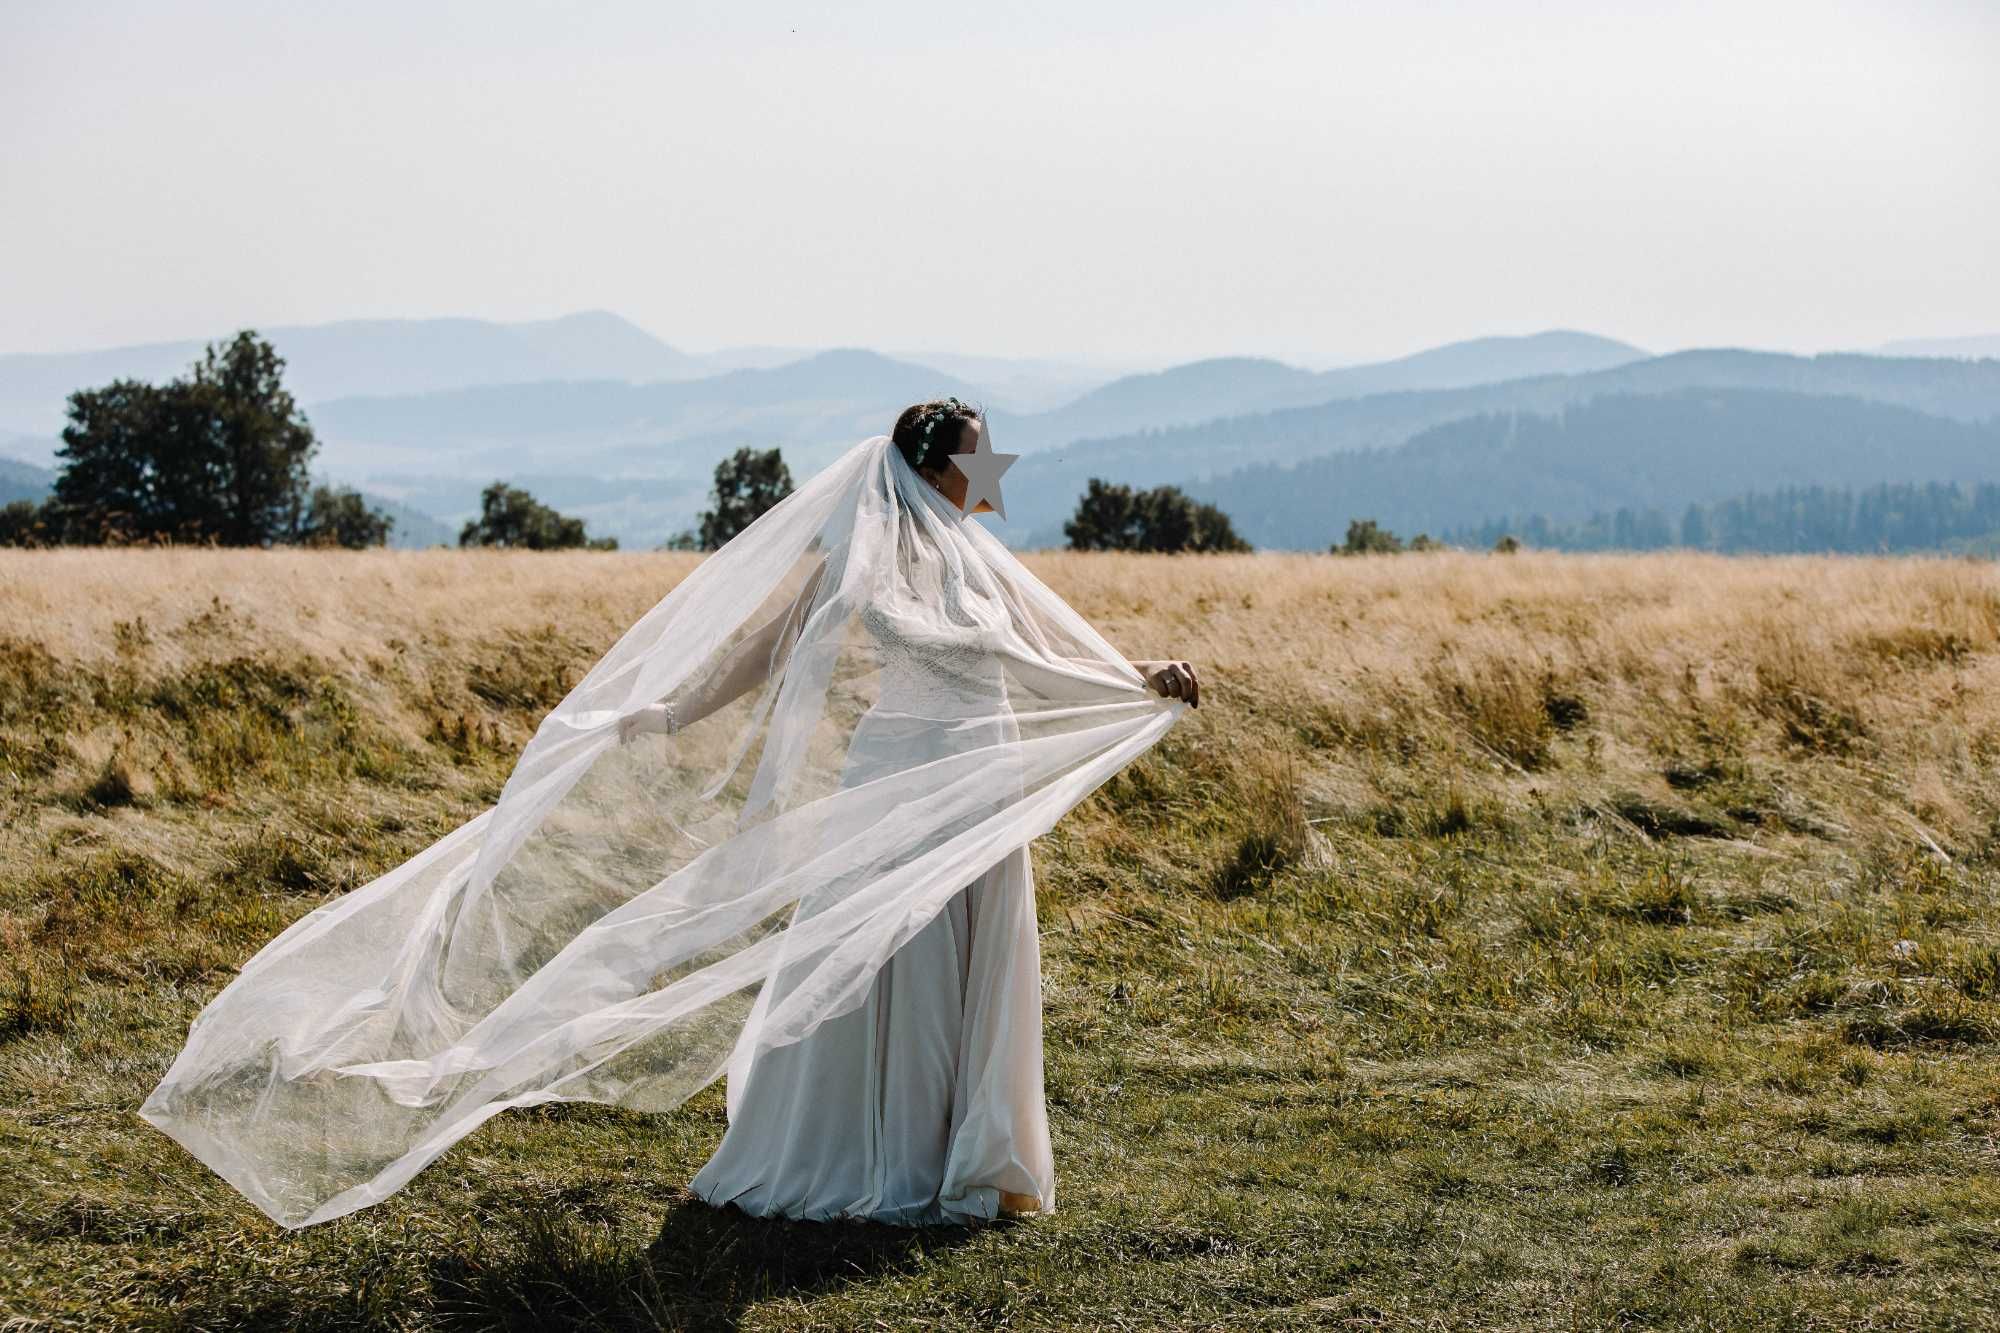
(925, 1104)
(779, 831)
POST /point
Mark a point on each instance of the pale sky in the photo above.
(1146, 181)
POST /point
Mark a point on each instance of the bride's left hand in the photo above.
(1175, 680)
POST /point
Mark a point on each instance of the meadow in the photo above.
(1524, 941)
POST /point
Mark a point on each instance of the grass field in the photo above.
(1513, 942)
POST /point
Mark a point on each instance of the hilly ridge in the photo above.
(624, 430)
(1657, 451)
(379, 356)
(1207, 390)
(1042, 488)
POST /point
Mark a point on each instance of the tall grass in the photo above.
(1530, 942)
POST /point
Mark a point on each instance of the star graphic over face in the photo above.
(982, 468)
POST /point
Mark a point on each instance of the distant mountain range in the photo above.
(814, 408)
(606, 421)
(376, 356)
(1207, 390)
(1042, 489)
(817, 407)
(1658, 451)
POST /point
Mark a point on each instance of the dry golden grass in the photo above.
(1520, 941)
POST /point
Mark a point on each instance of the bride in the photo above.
(778, 832)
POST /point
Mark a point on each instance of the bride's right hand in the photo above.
(1173, 680)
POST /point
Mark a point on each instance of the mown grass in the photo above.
(1533, 942)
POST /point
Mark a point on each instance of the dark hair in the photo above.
(926, 432)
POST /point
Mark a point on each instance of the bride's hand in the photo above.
(651, 718)
(1175, 680)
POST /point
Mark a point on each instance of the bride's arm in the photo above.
(746, 666)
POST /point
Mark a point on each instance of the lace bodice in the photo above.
(928, 675)
(935, 697)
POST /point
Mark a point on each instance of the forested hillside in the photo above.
(1640, 452)
(1042, 488)
(1885, 519)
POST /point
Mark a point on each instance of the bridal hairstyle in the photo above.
(926, 432)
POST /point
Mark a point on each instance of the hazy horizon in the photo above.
(1100, 361)
(1113, 183)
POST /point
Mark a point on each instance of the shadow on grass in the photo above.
(705, 1269)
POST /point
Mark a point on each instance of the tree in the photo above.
(340, 517)
(509, 516)
(219, 456)
(261, 440)
(747, 484)
(1105, 520)
(133, 465)
(1116, 518)
(1366, 537)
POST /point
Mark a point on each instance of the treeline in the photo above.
(1889, 517)
(221, 456)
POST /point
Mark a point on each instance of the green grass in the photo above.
(1514, 1004)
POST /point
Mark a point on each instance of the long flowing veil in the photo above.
(605, 930)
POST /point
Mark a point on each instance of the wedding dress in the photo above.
(925, 1104)
(821, 890)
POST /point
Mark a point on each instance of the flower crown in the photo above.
(932, 418)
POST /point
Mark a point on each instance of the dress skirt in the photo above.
(923, 1104)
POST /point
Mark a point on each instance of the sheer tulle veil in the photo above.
(604, 931)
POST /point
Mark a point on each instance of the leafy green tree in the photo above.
(1366, 537)
(339, 516)
(747, 484)
(510, 516)
(1106, 519)
(219, 456)
(132, 465)
(1112, 517)
(261, 439)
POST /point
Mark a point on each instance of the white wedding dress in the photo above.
(925, 1104)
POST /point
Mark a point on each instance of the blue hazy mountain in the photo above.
(1230, 386)
(23, 481)
(813, 409)
(1634, 451)
(372, 356)
(673, 432)
(627, 430)
(1042, 489)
